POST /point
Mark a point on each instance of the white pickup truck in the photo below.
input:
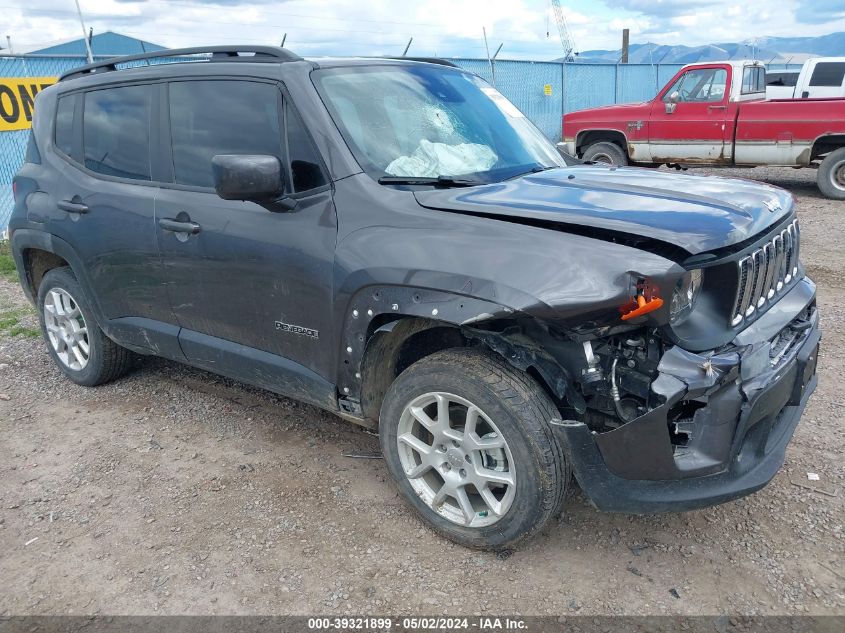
(820, 77)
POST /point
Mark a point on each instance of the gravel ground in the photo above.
(175, 491)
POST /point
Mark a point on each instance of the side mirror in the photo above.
(248, 177)
(673, 102)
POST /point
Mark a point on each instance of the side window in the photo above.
(64, 124)
(828, 74)
(702, 85)
(116, 131)
(753, 79)
(304, 162)
(221, 117)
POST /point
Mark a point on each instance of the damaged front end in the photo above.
(667, 429)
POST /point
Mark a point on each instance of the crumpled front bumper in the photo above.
(738, 438)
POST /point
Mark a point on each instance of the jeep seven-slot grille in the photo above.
(765, 273)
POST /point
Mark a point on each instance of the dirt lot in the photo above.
(175, 491)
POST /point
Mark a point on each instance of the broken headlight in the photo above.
(685, 295)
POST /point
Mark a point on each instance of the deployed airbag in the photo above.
(431, 160)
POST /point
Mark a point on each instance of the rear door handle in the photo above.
(192, 228)
(72, 207)
(717, 107)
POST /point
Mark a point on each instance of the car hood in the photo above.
(696, 213)
(616, 107)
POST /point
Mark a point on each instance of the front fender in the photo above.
(376, 305)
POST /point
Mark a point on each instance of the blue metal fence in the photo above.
(544, 91)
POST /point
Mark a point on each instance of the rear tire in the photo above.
(512, 487)
(606, 152)
(74, 340)
(831, 175)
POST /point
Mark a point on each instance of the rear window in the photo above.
(753, 79)
(828, 74)
(64, 124)
(116, 132)
(782, 79)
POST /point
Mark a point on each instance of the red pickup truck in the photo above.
(716, 114)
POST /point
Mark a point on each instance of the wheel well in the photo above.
(409, 340)
(827, 144)
(37, 263)
(585, 139)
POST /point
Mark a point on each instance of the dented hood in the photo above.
(696, 213)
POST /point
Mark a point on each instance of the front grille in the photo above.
(765, 273)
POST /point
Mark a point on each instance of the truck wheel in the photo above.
(467, 441)
(831, 176)
(606, 152)
(78, 346)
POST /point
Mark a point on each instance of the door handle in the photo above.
(717, 107)
(192, 228)
(72, 207)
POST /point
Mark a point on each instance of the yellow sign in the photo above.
(17, 100)
(547, 90)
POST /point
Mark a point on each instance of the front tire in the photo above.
(467, 441)
(74, 340)
(831, 175)
(606, 152)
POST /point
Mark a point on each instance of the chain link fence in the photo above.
(544, 91)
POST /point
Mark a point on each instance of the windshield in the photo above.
(431, 122)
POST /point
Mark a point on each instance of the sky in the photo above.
(448, 28)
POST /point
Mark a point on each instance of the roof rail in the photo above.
(218, 53)
(429, 60)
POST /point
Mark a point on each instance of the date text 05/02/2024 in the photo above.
(417, 624)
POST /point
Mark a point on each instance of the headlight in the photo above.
(685, 295)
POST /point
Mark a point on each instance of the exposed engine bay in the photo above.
(635, 383)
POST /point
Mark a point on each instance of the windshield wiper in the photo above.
(439, 181)
(535, 170)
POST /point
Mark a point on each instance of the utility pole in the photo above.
(84, 34)
(626, 42)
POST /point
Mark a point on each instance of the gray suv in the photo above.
(393, 241)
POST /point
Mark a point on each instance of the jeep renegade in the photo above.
(393, 241)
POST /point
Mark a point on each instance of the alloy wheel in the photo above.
(66, 329)
(456, 459)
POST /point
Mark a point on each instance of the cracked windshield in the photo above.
(432, 122)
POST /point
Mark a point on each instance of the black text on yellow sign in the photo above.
(17, 100)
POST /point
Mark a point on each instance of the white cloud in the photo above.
(443, 27)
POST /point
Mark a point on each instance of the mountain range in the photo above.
(768, 49)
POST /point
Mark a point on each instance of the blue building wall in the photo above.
(107, 44)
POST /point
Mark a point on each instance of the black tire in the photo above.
(106, 359)
(521, 410)
(831, 175)
(606, 152)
